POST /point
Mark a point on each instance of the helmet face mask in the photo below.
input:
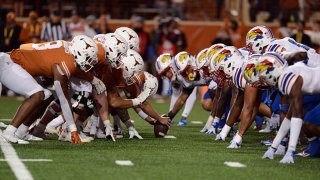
(258, 38)
(115, 47)
(84, 51)
(130, 36)
(132, 63)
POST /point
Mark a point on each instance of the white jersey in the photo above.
(150, 85)
(310, 76)
(237, 78)
(190, 84)
(288, 45)
(79, 85)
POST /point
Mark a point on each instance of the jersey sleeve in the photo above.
(68, 67)
(286, 81)
(238, 79)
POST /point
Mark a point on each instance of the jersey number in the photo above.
(47, 45)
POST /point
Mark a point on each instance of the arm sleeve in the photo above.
(67, 113)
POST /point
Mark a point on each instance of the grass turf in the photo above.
(191, 156)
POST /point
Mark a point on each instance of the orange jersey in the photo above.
(38, 59)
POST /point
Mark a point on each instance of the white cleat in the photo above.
(3, 125)
(287, 159)
(13, 139)
(266, 130)
(30, 137)
(281, 150)
(100, 134)
(218, 138)
(234, 145)
(51, 130)
(84, 137)
(268, 154)
(204, 129)
(212, 130)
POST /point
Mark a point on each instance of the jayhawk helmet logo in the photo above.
(265, 66)
(202, 57)
(254, 34)
(165, 58)
(183, 57)
(249, 71)
(222, 56)
(213, 51)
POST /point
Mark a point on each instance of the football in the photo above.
(160, 130)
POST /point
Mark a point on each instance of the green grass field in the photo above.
(191, 156)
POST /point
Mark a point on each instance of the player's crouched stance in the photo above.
(57, 60)
(294, 82)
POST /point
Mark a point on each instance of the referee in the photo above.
(55, 29)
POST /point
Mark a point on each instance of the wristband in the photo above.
(171, 115)
(284, 107)
(143, 115)
(72, 127)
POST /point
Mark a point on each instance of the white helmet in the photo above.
(84, 51)
(181, 61)
(132, 63)
(163, 62)
(100, 38)
(258, 37)
(249, 71)
(130, 36)
(269, 68)
(225, 62)
(201, 59)
(115, 46)
(212, 50)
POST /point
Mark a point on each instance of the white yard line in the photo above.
(5, 119)
(30, 160)
(18, 168)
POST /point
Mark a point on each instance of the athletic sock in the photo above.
(22, 131)
(296, 124)
(224, 132)
(56, 122)
(10, 130)
(283, 131)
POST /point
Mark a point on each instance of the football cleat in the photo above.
(269, 153)
(13, 139)
(182, 122)
(281, 150)
(234, 145)
(30, 137)
(213, 129)
(288, 158)
(218, 138)
(3, 125)
(100, 134)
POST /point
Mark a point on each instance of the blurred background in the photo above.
(162, 25)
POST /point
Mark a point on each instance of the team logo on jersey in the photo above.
(255, 34)
(223, 55)
(265, 66)
(213, 51)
